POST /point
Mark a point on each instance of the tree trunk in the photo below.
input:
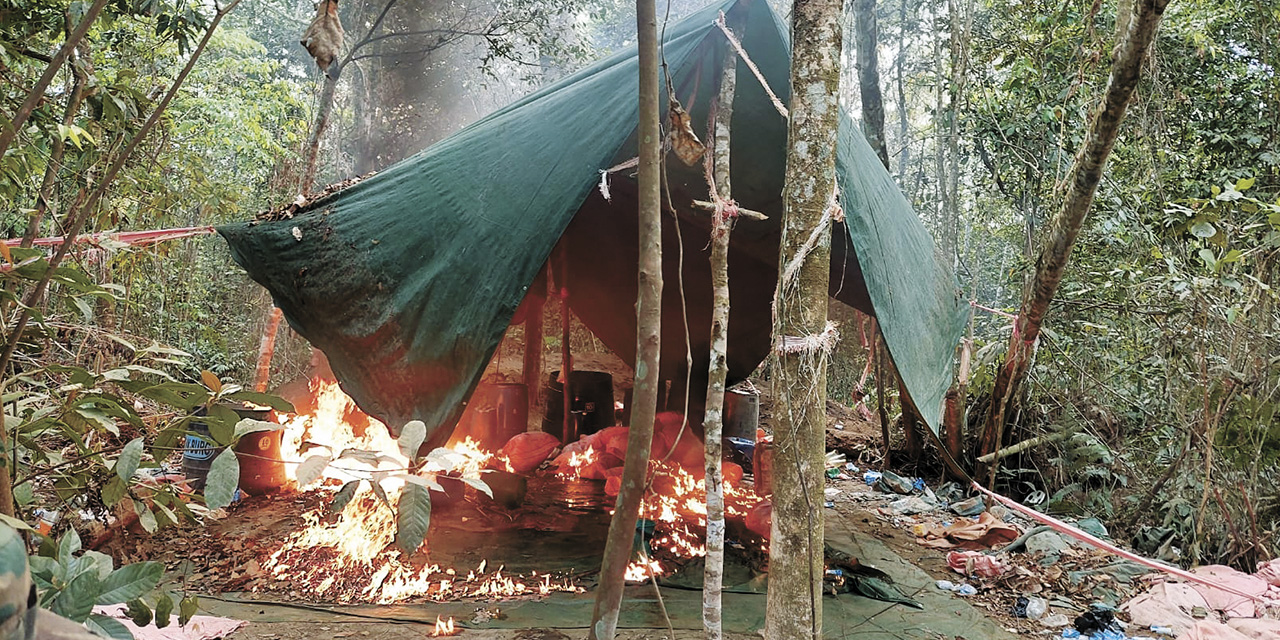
(904, 132)
(1086, 172)
(267, 350)
(802, 337)
(721, 226)
(622, 527)
(864, 13)
(10, 132)
(533, 345)
(312, 154)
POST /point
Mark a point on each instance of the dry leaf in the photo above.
(683, 140)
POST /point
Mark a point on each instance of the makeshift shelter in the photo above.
(408, 279)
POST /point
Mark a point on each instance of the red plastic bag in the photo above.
(526, 451)
(731, 472)
(760, 519)
(613, 441)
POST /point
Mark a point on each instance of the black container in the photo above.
(497, 413)
(262, 470)
(591, 402)
(198, 453)
(741, 415)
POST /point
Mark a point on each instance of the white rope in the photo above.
(737, 46)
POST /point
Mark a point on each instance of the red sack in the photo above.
(613, 441)
(613, 482)
(760, 519)
(526, 451)
(731, 471)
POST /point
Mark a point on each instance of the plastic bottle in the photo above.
(1037, 607)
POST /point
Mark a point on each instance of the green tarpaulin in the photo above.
(408, 279)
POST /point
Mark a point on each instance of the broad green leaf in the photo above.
(1204, 229)
(99, 418)
(262, 400)
(311, 469)
(224, 476)
(75, 601)
(221, 421)
(138, 612)
(413, 517)
(186, 609)
(249, 425)
(1244, 184)
(15, 523)
(368, 457)
(108, 627)
(101, 563)
(145, 517)
(344, 496)
(130, 458)
(68, 546)
(411, 438)
(1208, 258)
(114, 491)
(164, 608)
(130, 582)
(477, 484)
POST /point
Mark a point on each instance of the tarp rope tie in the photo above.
(604, 174)
(130, 238)
(820, 342)
(1094, 541)
(737, 46)
(975, 305)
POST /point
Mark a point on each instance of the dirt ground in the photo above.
(364, 630)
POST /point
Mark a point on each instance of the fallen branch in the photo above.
(1030, 443)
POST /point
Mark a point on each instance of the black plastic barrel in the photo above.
(198, 453)
(591, 402)
(496, 413)
(741, 415)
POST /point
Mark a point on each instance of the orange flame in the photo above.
(444, 628)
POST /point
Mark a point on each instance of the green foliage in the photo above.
(71, 582)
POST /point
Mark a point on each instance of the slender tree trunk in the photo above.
(802, 337)
(533, 345)
(904, 132)
(959, 73)
(312, 155)
(81, 76)
(940, 147)
(617, 553)
(721, 226)
(1086, 172)
(9, 132)
(267, 350)
(864, 13)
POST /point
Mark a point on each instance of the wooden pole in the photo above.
(533, 345)
(566, 356)
(622, 527)
(721, 226)
(267, 349)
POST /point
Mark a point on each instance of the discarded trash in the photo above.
(1020, 606)
(871, 477)
(850, 467)
(918, 484)
(971, 507)
(1162, 630)
(1056, 620)
(833, 472)
(891, 482)
(829, 504)
(1047, 543)
(984, 533)
(911, 505)
(1070, 633)
(1095, 620)
(957, 588)
(972, 563)
(1036, 608)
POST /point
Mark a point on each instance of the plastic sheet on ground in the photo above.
(1234, 629)
(1166, 603)
(198, 628)
(1219, 600)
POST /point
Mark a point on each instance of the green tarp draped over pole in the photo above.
(408, 279)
